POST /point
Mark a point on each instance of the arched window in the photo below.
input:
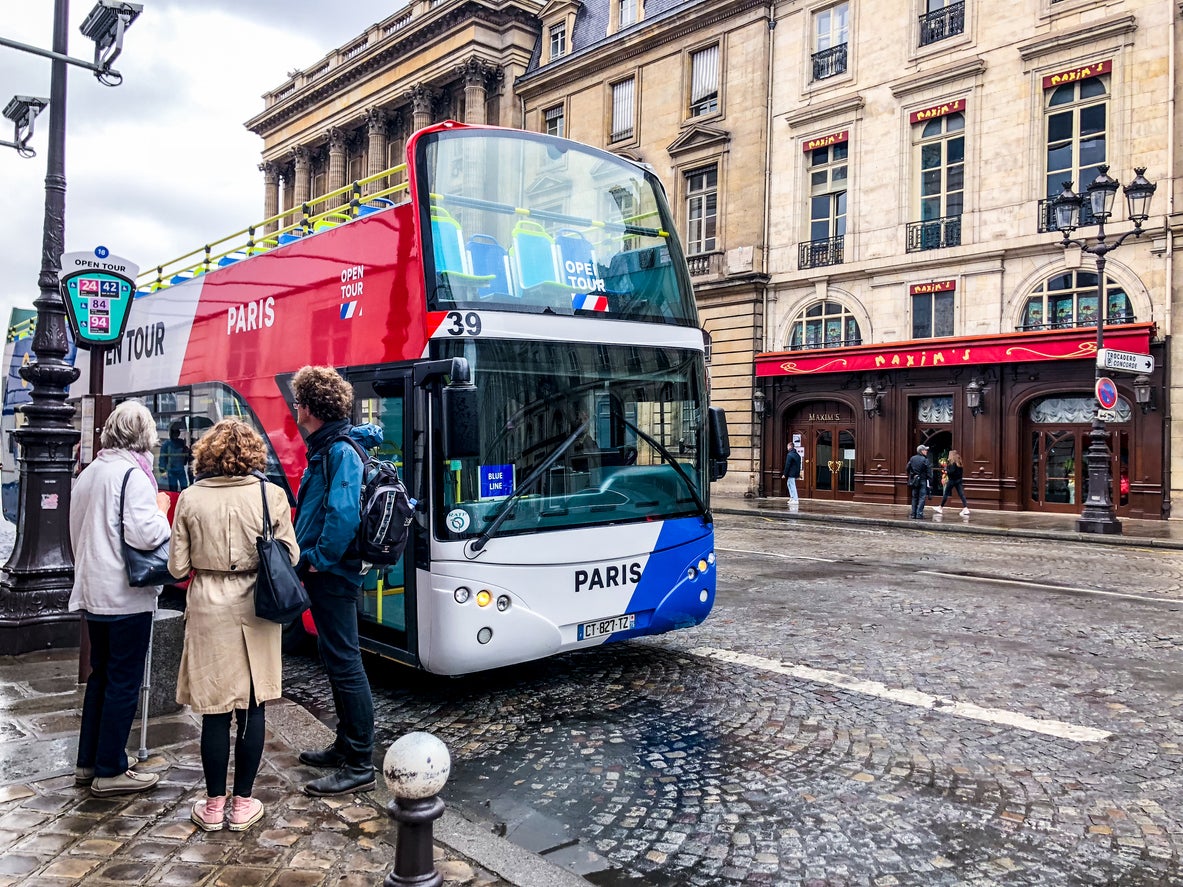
(824, 325)
(1076, 133)
(1070, 300)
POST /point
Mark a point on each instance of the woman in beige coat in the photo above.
(231, 661)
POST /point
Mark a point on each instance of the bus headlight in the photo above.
(702, 566)
(484, 635)
(484, 597)
(462, 595)
(711, 558)
(503, 603)
(691, 573)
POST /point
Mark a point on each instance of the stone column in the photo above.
(270, 193)
(376, 122)
(303, 163)
(338, 144)
(475, 73)
(421, 99)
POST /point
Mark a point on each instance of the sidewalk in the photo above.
(53, 834)
(1138, 533)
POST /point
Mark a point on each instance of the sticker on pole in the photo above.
(1106, 393)
(97, 288)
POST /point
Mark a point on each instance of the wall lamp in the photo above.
(872, 402)
(105, 25)
(1144, 393)
(974, 392)
(758, 402)
(22, 111)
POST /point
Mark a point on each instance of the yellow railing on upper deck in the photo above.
(326, 211)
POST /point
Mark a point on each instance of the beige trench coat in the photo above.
(227, 647)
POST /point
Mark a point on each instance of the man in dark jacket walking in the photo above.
(919, 476)
(328, 512)
(792, 471)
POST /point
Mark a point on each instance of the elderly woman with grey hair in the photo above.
(118, 616)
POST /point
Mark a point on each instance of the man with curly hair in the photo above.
(327, 518)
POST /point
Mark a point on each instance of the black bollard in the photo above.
(416, 768)
(414, 864)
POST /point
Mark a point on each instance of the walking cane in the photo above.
(145, 692)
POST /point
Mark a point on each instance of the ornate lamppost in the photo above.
(1098, 515)
(36, 582)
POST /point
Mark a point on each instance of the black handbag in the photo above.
(144, 568)
(279, 593)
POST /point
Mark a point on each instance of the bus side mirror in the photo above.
(720, 442)
(461, 427)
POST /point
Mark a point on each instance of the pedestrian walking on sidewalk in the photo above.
(231, 663)
(955, 471)
(328, 513)
(919, 477)
(118, 616)
(792, 471)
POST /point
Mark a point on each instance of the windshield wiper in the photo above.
(483, 539)
(669, 457)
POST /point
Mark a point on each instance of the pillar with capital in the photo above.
(421, 100)
(270, 193)
(338, 146)
(475, 73)
(376, 122)
(302, 160)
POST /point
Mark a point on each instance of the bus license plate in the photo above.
(601, 627)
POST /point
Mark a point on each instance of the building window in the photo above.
(622, 110)
(702, 208)
(1069, 300)
(554, 121)
(704, 81)
(628, 12)
(1077, 122)
(942, 18)
(932, 315)
(827, 207)
(939, 152)
(558, 41)
(824, 325)
(831, 33)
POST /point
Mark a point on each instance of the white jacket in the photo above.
(100, 577)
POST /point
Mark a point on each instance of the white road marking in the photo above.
(1067, 588)
(1058, 729)
(789, 557)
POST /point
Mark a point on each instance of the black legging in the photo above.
(959, 486)
(248, 749)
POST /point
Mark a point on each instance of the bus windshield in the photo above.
(612, 420)
(525, 222)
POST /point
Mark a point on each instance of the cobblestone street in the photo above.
(864, 706)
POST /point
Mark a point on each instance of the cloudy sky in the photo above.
(163, 163)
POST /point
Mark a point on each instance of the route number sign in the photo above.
(98, 289)
(1106, 393)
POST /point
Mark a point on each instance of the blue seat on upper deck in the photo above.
(489, 258)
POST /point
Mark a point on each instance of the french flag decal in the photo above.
(589, 302)
(349, 310)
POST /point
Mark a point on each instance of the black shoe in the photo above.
(345, 779)
(328, 758)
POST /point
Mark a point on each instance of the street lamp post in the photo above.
(1098, 515)
(36, 582)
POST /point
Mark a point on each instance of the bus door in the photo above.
(387, 604)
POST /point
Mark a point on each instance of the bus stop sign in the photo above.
(97, 288)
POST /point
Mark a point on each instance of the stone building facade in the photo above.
(918, 291)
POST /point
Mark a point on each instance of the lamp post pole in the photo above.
(1098, 515)
(36, 581)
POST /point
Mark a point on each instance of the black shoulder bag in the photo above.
(144, 568)
(279, 593)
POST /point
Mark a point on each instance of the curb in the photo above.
(299, 728)
(937, 526)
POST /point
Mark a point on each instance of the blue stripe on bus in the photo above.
(666, 598)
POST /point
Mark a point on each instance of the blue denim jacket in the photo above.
(328, 505)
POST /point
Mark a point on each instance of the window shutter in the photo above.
(704, 78)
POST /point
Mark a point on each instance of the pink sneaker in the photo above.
(209, 814)
(244, 812)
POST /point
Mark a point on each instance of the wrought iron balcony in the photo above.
(819, 253)
(828, 343)
(829, 62)
(1072, 323)
(1047, 215)
(941, 23)
(934, 233)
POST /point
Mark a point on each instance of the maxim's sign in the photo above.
(937, 111)
(1073, 74)
(825, 141)
(936, 286)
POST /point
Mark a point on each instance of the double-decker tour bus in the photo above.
(515, 311)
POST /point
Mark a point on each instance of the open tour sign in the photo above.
(97, 288)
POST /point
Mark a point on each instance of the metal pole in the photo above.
(1098, 515)
(146, 691)
(36, 583)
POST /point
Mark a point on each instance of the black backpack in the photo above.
(387, 510)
